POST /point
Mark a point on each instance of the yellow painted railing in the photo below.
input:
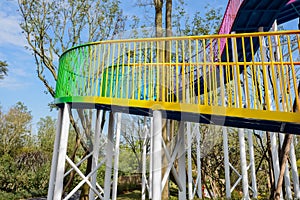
(253, 72)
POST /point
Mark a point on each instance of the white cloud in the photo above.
(14, 83)
(12, 49)
(20, 72)
(10, 33)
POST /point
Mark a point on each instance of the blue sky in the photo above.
(22, 83)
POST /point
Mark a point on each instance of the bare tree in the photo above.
(51, 27)
(3, 69)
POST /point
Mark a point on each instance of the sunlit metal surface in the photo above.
(252, 76)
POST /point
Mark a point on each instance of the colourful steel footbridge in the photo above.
(244, 77)
(245, 80)
(195, 83)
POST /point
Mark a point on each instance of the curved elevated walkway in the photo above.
(243, 80)
(138, 76)
(289, 12)
(242, 16)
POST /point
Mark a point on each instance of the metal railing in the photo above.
(255, 71)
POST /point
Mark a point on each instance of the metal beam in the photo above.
(226, 163)
(243, 164)
(62, 152)
(252, 165)
(96, 147)
(116, 157)
(109, 157)
(55, 155)
(157, 155)
(181, 162)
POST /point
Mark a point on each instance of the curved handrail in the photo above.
(132, 70)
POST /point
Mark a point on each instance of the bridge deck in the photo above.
(186, 78)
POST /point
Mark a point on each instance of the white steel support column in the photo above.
(287, 181)
(189, 147)
(63, 132)
(151, 158)
(55, 155)
(243, 163)
(144, 161)
(226, 162)
(189, 157)
(109, 157)
(157, 155)
(275, 156)
(252, 165)
(199, 181)
(116, 157)
(273, 139)
(181, 162)
(241, 131)
(96, 147)
(294, 171)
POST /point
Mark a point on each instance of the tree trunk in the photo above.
(158, 32)
(85, 189)
(168, 21)
(283, 157)
(158, 17)
(72, 174)
(270, 164)
(169, 18)
(285, 151)
(168, 29)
